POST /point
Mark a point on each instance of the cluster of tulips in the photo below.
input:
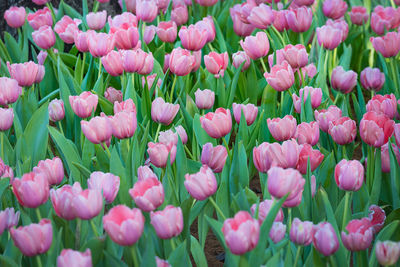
(127, 140)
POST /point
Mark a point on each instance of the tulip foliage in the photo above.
(272, 127)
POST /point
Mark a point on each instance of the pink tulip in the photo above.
(8, 219)
(167, 31)
(343, 130)
(112, 63)
(314, 93)
(339, 24)
(100, 44)
(150, 80)
(8, 173)
(296, 55)
(387, 252)
(106, 183)
(261, 158)
(281, 77)
(299, 19)
(137, 61)
(278, 56)
(69, 257)
(56, 110)
(97, 130)
(167, 137)
(15, 16)
(168, 223)
(285, 155)
(87, 204)
(148, 64)
(181, 62)
(280, 20)
(180, 15)
(343, 81)
(32, 190)
(325, 116)
(124, 124)
(207, 23)
(349, 175)
(126, 36)
(201, 185)
(40, 2)
(62, 200)
(9, 91)
(325, 239)
(52, 169)
(282, 129)
(124, 225)
(124, 18)
(329, 37)
(307, 133)
(388, 45)
(241, 233)
(372, 79)
(217, 124)
(206, 2)
(383, 19)
(238, 58)
(359, 15)
(113, 95)
(146, 10)
(163, 112)
(301, 233)
(96, 21)
(263, 210)
(334, 9)
(375, 129)
(26, 73)
(308, 153)
(261, 16)
(216, 63)
(6, 118)
(84, 104)
(256, 46)
(162, 263)
(300, 3)
(358, 235)
(34, 239)
(396, 129)
(66, 28)
(310, 71)
(376, 217)
(214, 157)
(127, 106)
(130, 5)
(159, 152)
(182, 133)
(193, 38)
(204, 98)
(81, 41)
(149, 33)
(148, 193)
(40, 18)
(386, 157)
(144, 172)
(249, 110)
(277, 232)
(383, 104)
(239, 27)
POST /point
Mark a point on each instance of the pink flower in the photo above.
(162, 263)
(100, 44)
(241, 233)
(26, 73)
(325, 116)
(124, 225)
(388, 45)
(112, 63)
(285, 155)
(124, 124)
(296, 55)
(32, 190)
(145, 172)
(256, 46)
(149, 33)
(15, 16)
(40, 18)
(8, 219)
(397, 133)
(340, 24)
(383, 19)
(167, 31)
(343, 131)
(387, 252)
(40, 2)
(358, 235)
(305, 92)
(106, 183)
(238, 58)
(87, 204)
(214, 157)
(217, 124)
(168, 223)
(127, 106)
(66, 28)
(343, 81)
(263, 210)
(307, 133)
(299, 19)
(159, 152)
(62, 200)
(249, 110)
(96, 21)
(130, 6)
(204, 98)
(386, 158)
(137, 61)
(181, 62)
(334, 9)
(375, 129)
(9, 91)
(282, 129)
(84, 104)
(146, 10)
(201, 185)
(280, 20)
(261, 16)
(81, 41)
(383, 104)
(179, 130)
(113, 95)
(52, 169)
(126, 36)
(33, 239)
(261, 159)
(148, 193)
(349, 175)
(180, 15)
(372, 79)
(329, 37)
(307, 152)
(163, 112)
(56, 110)
(325, 239)
(193, 38)
(277, 232)
(124, 18)
(216, 63)
(206, 2)
(6, 118)
(359, 15)
(239, 27)
(301, 233)
(97, 130)
(69, 257)
(207, 23)
(281, 77)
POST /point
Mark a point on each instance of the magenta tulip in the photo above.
(106, 183)
(126, 36)
(217, 124)
(167, 31)
(261, 16)
(281, 77)
(216, 63)
(100, 44)
(343, 131)
(375, 129)
(343, 81)
(325, 116)
(388, 45)
(202, 184)
(334, 9)
(329, 37)
(69, 257)
(84, 104)
(307, 133)
(383, 104)
(214, 157)
(301, 232)
(372, 79)
(204, 98)
(40, 18)
(163, 112)
(181, 61)
(299, 19)
(32, 190)
(193, 38)
(66, 28)
(325, 239)
(26, 73)
(168, 222)
(359, 15)
(358, 235)
(349, 175)
(112, 63)
(15, 16)
(62, 200)
(308, 153)
(9, 91)
(148, 193)
(282, 129)
(314, 93)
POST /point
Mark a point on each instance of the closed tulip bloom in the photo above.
(204, 98)
(282, 129)
(387, 252)
(281, 77)
(256, 46)
(277, 232)
(125, 36)
(148, 193)
(96, 21)
(238, 58)
(261, 158)
(149, 33)
(214, 157)
(383, 104)
(329, 37)
(145, 172)
(81, 41)
(181, 62)
(340, 24)
(112, 63)
(305, 92)
(8, 219)
(207, 23)
(124, 18)
(62, 200)
(343, 81)
(179, 130)
(40, 75)
(133, 60)
(87, 204)
(40, 2)
(32, 190)
(277, 57)
(124, 225)
(280, 20)
(349, 175)
(107, 183)
(309, 71)
(167, 137)
(241, 233)
(159, 152)
(249, 110)
(334, 9)
(168, 222)
(217, 124)
(71, 258)
(201, 185)
(325, 239)
(146, 10)
(296, 55)
(206, 2)
(15, 16)
(307, 133)
(285, 155)
(167, 31)
(100, 44)
(386, 157)
(6, 118)
(193, 38)
(40, 18)
(123, 124)
(9, 91)
(263, 210)
(325, 116)
(359, 15)
(163, 112)
(56, 110)
(239, 27)
(98, 129)
(358, 235)
(52, 169)
(375, 129)
(396, 133)
(261, 16)
(303, 2)
(113, 95)
(307, 152)
(84, 104)
(372, 79)
(150, 80)
(33, 239)
(8, 173)
(388, 45)
(130, 5)
(180, 15)
(343, 131)
(66, 28)
(299, 19)
(301, 233)
(25, 73)
(216, 63)
(383, 19)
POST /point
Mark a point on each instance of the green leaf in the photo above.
(179, 257)
(376, 187)
(197, 253)
(12, 47)
(201, 135)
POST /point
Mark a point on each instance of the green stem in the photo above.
(107, 150)
(282, 99)
(290, 217)
(279, 35)
(96, 6)
(172, 89)
(78, 233)
(190, 154)
(38, 261)
(263, 64)
(99, 74)
(347, 203)
(52, 12)
(60, 126)
(157, 132)
(2, 145)
(37, 210)
(173, 246)
(344, 152)
(134, 256)
(83, 65)
(297, 256)
(227, 147)
(210, 46)
(94, 228)
(370, 167)
(219, 211)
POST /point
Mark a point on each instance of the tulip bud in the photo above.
(84, 104)
(282, 129)
(214, 157)
(343, 131)
(277, 232)
(314, 93)
(249, 110)
(375, 129)
(69, 257)
(334, 9)
(56, 110)
(372, 79)
(87, 204)
(44, 37)
(307, 133)
(146, 10)
(8, 219)
(325, 239)
(167, 31)
(301, 233)
(52, 169)
(238, 58)
(40, 18)
(148, 193)
(217, 124)
(32, 190)
(159, 152)
(201, 185)
(181, 62)
(343, 81)
(308, 153)
(204, 98)
(256, 46)
(98, 130)
(168, 223)
(163, 112)
(81, 41)
(123, 124)
(15, 16)
(192, 37)
(96, 21)
(325, 116)
(9, 91)
(281, 77)
(329, 37)
(387, 252)
(263, 210)
(261, 16)
(299, 19)
(106, 183)
(62, 200)
(349, 175)
(216, 63)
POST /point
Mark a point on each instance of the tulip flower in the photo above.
(249, 110)
(396, 130)
(217, 124)
(383, 104)
(387, 252)
(277, 232)
(206, 2)
(308, 153)
(159, 152)
(261, 16)
(66, 28)
(193, 38)
(113, 95)
(167, 31)
(307, 133)
(9, 91)
(304, 93)
(123, 124)
(124, 106)
(204, 98)
(106, 183)
(180, 15)
(163, 112)
(329, 37)
(44, 37)
(285, 155)
(112, 63)
(343, 81)
(383, 19)
(181, 62)
(375, 129)
(201, 185)
(263, 210)
(40, 18)
(62, 200)
(96, 21)
(69, 257)
(340, 24)
(56, 110)
(148, 193)
(343, 131)
(385, 157)
(207, 23)
(15, 16)
(239, 27)
(6, 118)
(325, 116)
(296, 55)
(81, 41)
(145, 172)
(149, 33)
(32, 190)
(8, 219)
(359, 15)
(372, 79)
(26, 73)
(261, 160)
(256, 46)
(168, 222)
(280, 20)
(349, 175)
(53, 169)
(84, 104)
(281, 77)
(126, 36)
(325, 239)
(214, 157)
(124, 225)
(358, 235)
(282, 129)
(162, 263)
(100, 44)
(98, 130)
(299, 19)
(334, 9)
(216, 63)
(238, 58)
(146, 10)
(388, 45)
(87, 204)
(241, 233)
(301, 232)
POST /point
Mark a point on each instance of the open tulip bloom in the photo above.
(163, 133)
